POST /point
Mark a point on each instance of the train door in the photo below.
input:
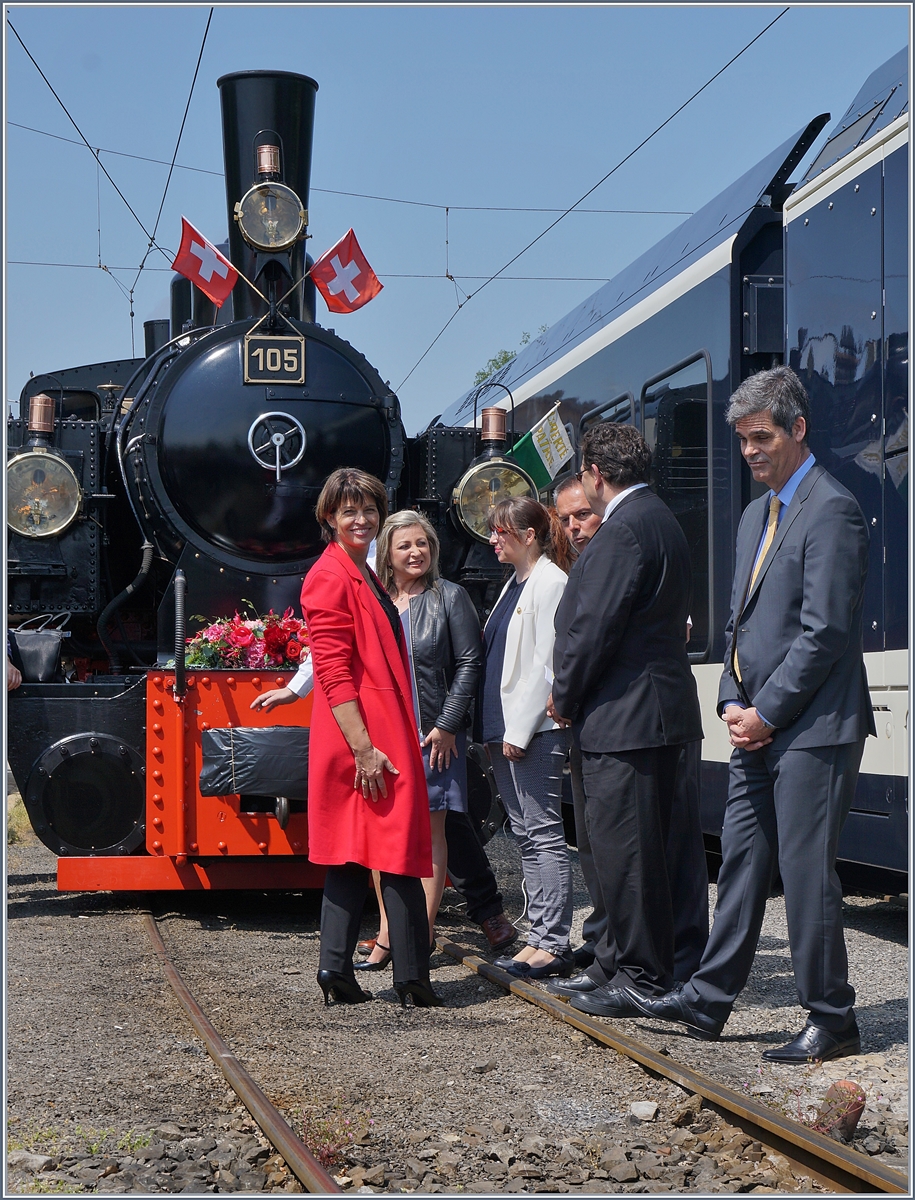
(674, 409)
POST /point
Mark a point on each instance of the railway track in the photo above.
(834, 1166)
(299, 1159)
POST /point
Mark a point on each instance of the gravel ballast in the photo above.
(109, 1089)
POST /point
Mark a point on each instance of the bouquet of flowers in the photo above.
(259, 643)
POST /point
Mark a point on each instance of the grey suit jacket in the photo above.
(799, 631)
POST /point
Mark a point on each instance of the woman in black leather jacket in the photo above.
(442, 635)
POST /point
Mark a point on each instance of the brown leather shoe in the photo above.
(365, 947)
(499, 931)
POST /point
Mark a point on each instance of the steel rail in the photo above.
(296, 1154)
(829, 1162)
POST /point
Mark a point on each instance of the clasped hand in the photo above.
(371, 765)
(443, 747)
(746, 728)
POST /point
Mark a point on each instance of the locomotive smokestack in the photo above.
(267, 128)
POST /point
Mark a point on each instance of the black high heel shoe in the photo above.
(365, 965)
(343, 989)
(420, 993)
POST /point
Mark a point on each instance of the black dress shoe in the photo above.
(815, 1044)
(606, 1001)
(583, 957)
(367, 965)
(343, 989)
(561, 965)
(672, 1007)
(419, 993)
(576, 986)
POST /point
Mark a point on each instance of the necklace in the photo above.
(402, 596)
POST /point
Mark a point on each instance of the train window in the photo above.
(619, 409)
(674, 410)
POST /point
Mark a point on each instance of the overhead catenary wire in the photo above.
(85, 142)
(20, 262)
(171, 166)
(591, 190)
(506, 208)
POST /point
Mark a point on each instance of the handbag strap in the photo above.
(59, 620)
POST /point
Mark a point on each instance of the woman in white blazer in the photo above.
(526, 747)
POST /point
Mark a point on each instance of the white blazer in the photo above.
(527, 669)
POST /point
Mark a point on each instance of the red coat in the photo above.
(356, 657)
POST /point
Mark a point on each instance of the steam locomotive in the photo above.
(198, 467)
(194, 471)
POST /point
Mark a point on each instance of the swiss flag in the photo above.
(344, 277)
(199, 261)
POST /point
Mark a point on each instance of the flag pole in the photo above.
(285, 296)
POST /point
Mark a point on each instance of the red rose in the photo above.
(239, 635)
(293, 651)
(274, 638)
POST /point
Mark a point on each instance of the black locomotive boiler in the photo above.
(195, 469)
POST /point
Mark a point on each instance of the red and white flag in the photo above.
(344, 278)
(199, 261)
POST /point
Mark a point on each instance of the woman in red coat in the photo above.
(368, 807)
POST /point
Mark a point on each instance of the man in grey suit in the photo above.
(795, 698)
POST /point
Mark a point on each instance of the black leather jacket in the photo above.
(447, 654)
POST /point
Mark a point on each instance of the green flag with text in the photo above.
(543, 451)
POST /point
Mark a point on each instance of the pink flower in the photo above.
(254, 656)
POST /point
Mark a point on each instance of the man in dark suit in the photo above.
(686, 866)
(622, 677)
(794, 695)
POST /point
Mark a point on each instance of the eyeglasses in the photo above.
(579, 474)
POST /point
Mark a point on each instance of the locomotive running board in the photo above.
(159, 873)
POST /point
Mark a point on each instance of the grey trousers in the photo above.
(785, 809)
(531, 792)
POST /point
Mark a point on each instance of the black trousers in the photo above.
(469, 869)
(785, 809)
(345, 889)
(629, 797)
(595, 923)
(686, 865)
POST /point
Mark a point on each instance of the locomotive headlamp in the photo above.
(480, 490)
(43, 494)
(270, 216)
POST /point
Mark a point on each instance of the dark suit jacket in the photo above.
(799, 632)
(620, 665)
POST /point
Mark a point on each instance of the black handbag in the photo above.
(260, 762)
(35, 649)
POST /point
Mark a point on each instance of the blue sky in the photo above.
(489, 106)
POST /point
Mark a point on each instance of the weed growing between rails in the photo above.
(834, 1112)
(329, 1136)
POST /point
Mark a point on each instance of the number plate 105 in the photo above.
(274, 359)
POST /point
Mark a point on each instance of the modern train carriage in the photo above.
(813, 274)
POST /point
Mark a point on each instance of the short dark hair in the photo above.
(569, 482)
(619, 452)
(348, 485)
(777, 391)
